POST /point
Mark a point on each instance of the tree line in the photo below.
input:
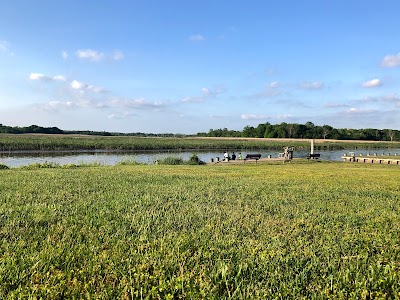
(55, 130)
(306, 131)
(263, 130)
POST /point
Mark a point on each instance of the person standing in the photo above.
(226, 156)
(233, 156)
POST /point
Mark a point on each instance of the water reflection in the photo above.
(12, 159)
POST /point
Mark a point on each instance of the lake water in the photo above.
(12, 159)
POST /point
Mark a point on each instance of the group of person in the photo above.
(227, 157)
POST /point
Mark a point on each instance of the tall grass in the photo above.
(19, 142)
(287, 231)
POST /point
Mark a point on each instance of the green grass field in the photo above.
(314, 230)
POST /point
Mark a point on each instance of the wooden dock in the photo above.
(249, 161)
(372, 159)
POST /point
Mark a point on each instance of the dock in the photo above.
(372, 159)
(249, 161)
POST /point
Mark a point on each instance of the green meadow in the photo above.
(299, 230)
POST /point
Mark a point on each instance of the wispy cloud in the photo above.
(253, 117)
(77, 85)
(372, 83)
(388, 99)
(74, 84)
(96, 56)
(140, 103)
(90, 55)
(284, 117)
(360, 111)
(392, 98)
(121, 116)
(197, 38)
(274, 84)
(335, 105)
(205, 94)
(270, 90)
(307, 85)
(390, 61)
(117, 55)
(4, 46)
(42, 77)
(55, 106)
(64, 54)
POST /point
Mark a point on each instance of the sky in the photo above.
(190, 66)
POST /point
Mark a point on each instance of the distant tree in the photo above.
(391, 134)
(269, 131)
(310, 130)
(326, 130)
(282, 130)
(249, 131)
(260, 130)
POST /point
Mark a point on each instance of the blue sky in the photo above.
(189, 66)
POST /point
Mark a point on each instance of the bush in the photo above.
(195, 160)
(45, 165)
(3, 167)
(170, 160)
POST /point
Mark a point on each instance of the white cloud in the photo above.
(38, 76)
(359, 111)
(136, 103)
(76, 85)
(311, 85)
(96, 56)
(42, 77)
(274, 84)
(372, 83)
(391, 61)
(59, 78)
(90, 55)
(81, 86)
(253, 117)
(197, 38)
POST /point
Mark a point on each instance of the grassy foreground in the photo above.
(284, 231)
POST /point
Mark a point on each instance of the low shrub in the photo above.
(170, 160)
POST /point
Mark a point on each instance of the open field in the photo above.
(48, 142)
(313, 230)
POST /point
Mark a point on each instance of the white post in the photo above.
(312, 147)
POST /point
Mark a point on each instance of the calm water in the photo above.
(149, 157)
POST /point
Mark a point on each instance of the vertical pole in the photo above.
(312, 147)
